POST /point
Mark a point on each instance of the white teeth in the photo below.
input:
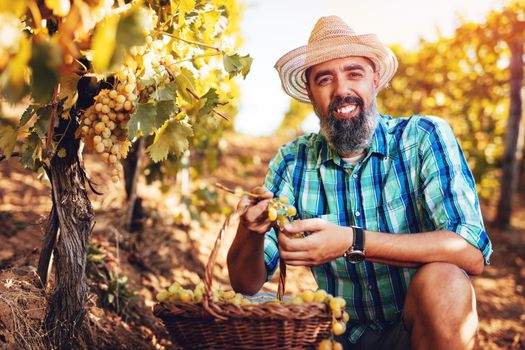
(346, 109)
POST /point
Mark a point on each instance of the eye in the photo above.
(324, 80)
(356, 75)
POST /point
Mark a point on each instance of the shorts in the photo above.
(397, 337)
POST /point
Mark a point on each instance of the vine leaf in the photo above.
(185, 80)
(115, 35)
(44, 64)
(165, 109)
(185, 6)
(28, 113)
(8, 140)
(31, 151)
(211, 100)
(235, 64)
(41, 125)
(171, 138)
(168, 92)
(68, 90)
(143, 120)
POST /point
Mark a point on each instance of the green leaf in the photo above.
(168, 92)
(31, 151)
(211, 100)
(130, 30)
(142, 121)
(7, 140)
(28, 113)
(165, 109)
(235, 64)
(171, 138)
(185, 80)
(44, 64)
(41, 126)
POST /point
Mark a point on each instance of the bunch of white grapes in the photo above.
(103, 125)
(281, 211)
(177, 294)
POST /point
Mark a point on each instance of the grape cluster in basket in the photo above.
(177, 294)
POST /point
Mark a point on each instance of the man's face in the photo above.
(343, 94)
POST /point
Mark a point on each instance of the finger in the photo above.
(293, 244)
(257, 212)
(298, 263)
(306, 225)
(262, 192)
(291, 255)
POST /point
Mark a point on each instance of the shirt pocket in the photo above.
(399, 214)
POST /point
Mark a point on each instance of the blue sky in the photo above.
(273, 27)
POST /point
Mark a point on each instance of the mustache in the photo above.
(338, 101)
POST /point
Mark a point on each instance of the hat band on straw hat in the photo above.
(327, 43)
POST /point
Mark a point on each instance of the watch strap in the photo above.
(359, 238)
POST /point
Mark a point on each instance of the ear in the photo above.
(376, 79)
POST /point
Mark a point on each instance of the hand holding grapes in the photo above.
(326, 242)
(255, 216)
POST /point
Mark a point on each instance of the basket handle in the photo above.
(207, 298)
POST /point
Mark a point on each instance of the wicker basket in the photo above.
(210, 325)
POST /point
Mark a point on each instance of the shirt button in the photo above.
(357, 213)
(354, 176)
(370, 287)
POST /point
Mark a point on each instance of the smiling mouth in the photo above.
(346, 111)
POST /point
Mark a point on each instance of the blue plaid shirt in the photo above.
(414, 178)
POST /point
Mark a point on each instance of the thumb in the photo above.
(310, 225)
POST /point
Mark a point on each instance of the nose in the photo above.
(342, 88)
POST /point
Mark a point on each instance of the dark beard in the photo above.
(349, 135)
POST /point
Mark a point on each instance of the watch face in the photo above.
(355, 256)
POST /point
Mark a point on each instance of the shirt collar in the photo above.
(378, 145)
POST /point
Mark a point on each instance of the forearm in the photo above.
(246, 262)
(412, 250)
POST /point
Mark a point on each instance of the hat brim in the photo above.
(292, 66)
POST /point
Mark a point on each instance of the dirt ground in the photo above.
(176, 247)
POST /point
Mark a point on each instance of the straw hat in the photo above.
(332, 38)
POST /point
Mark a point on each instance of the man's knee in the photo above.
(441, 297)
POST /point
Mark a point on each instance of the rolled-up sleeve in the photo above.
(448, 186)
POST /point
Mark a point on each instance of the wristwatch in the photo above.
(356, 253)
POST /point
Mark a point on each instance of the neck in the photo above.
(352, 155)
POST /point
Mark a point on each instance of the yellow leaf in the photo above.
(14, 80)
(185, 6)
(15, 7)
(7, 140)
(104, 43)
(68, 88)
(210, 20)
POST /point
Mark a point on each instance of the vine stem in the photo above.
(213, 110)
(190, 41)
(239, 193)
(53, 117)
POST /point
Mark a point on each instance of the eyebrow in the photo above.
(347, 68)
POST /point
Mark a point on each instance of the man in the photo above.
(389, 205)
